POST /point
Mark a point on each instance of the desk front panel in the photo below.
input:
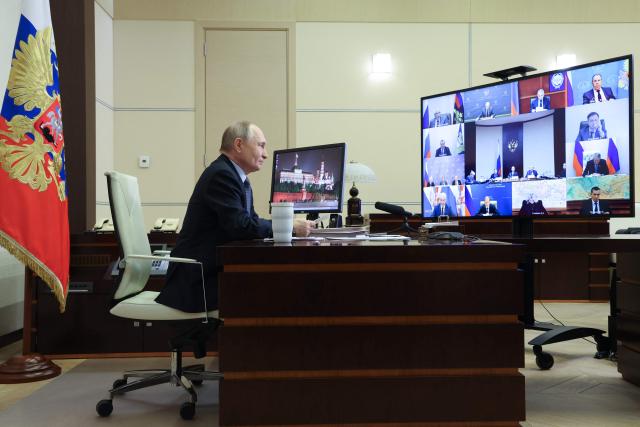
(420, 334)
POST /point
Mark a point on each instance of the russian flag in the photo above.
(613, 161)
(569, 89)
(499, 165)
(427, 155)
(467, 201)
(578, 152)
(425, 118)
(515, 99)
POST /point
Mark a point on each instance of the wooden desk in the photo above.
(380, 332)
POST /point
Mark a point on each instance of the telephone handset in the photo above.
(103, 224)
(166, 224)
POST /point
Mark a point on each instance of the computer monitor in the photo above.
(556, 144)
(310, 177)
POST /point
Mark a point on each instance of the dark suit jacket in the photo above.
(443, 151)
(437, 211)
(546, 103)
(445, 119)
(585, 135)
(486, 115)
(492, 210)
(529, 209)
(456, 182)
(216, 214)
(531, 172)
(589, 97)
(600, 168)
(587, 206)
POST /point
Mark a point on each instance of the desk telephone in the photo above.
(103, 224)
(166, 224)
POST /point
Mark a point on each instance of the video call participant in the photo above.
(594, 130)
(540, 102)
(471, 178)
(597, 93)
(596, 166)
(442, 181)
(487, 209)
(531, 207)
(487, 112)
(442, 209)
(513, 173)
(495, 175)
(443, 150)
(220, 210)
(532, 172)
(439, 120)
(456, 181)
(594, 206)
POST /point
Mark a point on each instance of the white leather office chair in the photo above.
(131, 301)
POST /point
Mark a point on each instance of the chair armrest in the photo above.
(161, 252)
(165, 258)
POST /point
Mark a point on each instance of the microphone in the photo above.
(392, 209)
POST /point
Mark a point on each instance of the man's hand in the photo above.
(302, 227)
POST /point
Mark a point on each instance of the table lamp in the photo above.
(356, 172)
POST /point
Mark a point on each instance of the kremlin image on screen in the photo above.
(310, 177)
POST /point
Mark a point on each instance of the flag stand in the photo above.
(28, 367)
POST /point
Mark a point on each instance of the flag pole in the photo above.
(28, 367)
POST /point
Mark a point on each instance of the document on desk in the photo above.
(298, 239)
(363, 237)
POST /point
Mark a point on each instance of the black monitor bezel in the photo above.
(342, 145)
(632, 199)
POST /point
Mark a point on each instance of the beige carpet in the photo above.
(578, 391)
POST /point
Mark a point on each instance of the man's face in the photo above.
(487, 105)
(595, 195)
(487, 201)
(441, 144)
(596, 82)
(594, 122)
(596, 159)
(540, 93)
(253, 151)
(442, 201)
(437, 115)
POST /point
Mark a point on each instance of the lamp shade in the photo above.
(358, 173)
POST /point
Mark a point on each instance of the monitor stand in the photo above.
(552, 333)
(403, 227)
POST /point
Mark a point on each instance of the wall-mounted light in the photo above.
(380, 65)
(566, 60)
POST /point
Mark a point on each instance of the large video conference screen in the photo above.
(558, 143)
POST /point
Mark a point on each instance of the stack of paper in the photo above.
(340, 232)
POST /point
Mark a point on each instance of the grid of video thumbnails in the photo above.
(557, 143)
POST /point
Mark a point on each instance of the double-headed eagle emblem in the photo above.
(32, 141)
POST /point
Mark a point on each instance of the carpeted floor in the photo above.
(70, 399)
(578, 391)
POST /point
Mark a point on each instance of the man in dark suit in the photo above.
(440, 120)
(598, 93)
(594, 206)
(443, 150)
(456, 181)
(487, 209)
(487, 112)
(540, 102)
(593, 129)
(220, 210)
(442, 209)
(595, 165)
(531, 173)
(513, 173)
(531, 207)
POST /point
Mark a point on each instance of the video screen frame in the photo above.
(335, 173)
(449, 145)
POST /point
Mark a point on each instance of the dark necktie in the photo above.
(597, 208)
(593, 135)
(540, 103)
(248, 195)
(599, 97)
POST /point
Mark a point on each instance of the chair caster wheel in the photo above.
(104, 407)
(543, 360)
(119, 382)
(187, 410)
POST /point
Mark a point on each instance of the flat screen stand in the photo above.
(523, 229)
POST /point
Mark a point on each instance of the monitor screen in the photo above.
(310, 177)
(559, 143)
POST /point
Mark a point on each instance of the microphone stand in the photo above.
(404, 226)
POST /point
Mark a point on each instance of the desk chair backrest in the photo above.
(128, 222)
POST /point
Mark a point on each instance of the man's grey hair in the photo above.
(240, 129)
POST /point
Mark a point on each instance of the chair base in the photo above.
(180, 377)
